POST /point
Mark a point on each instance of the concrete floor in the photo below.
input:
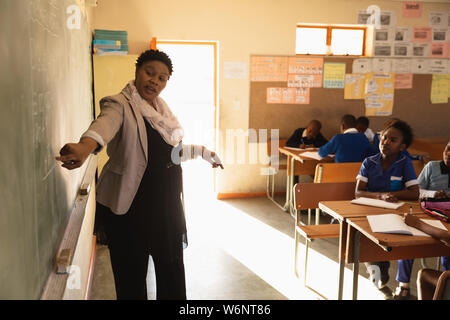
(243, 249)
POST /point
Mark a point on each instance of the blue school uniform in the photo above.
(351, 146)
(398, 176)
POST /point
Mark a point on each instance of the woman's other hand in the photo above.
(211, 157)
(73, 155)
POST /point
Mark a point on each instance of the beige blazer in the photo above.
(121, 126)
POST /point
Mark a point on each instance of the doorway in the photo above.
(192, 95)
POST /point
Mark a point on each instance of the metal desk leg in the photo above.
(342, 234)
(355, 264)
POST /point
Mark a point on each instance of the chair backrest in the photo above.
(433, 146)
(442, 291)
(337, 172)
(418, 166)
(281, 143)
(308, 195)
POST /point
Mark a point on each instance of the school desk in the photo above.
(296, 165)
(343, 210)
(363, 245)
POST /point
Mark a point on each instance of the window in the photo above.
(330, 40)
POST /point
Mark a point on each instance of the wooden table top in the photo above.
(344, 209)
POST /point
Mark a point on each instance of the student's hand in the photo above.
(389, 197)
(440, 194)
(302, 146)
(73, 155)
(410, 220)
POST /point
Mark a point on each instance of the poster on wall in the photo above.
(403, 81)
(305, 72)
(354, 86)
(268, 68)
(382, 49)
(381, 65)
(403, 34)
(411, 9)
(422, 34)
(439, 88)
(287, 96)
(362, 65)
(439, 50)
(401, 66)
(438, 19)
(440, 34)
(439, 66)
(420, 66)
(421, 50)
(402, 49)
(379, 94)
(334, 75)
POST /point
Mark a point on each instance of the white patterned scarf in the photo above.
(162, 119)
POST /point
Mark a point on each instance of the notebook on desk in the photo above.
(393, 223)
(377, 203)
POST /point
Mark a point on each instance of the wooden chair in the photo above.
(272, 170)
(334, 172)
(418, 166)
(307, 196)
(442, 291)
(433, 146)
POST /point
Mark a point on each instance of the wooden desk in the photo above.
(374, 246)
(305, 166)
(343, 210)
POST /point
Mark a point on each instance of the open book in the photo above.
(393, 223)
(377, 203)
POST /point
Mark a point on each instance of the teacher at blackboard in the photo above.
(140, 189)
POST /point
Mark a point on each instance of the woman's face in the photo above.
(151, 79)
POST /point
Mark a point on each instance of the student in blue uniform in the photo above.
(388, 175)
(349, 145)
(435, 176)
(309, 137)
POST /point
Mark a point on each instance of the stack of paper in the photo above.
(377, 203)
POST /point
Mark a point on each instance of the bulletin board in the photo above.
(328, 106)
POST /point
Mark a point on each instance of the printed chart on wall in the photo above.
(334, 75)
(268, 68)
(379, 94)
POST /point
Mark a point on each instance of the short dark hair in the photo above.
(363, 120)
(404, 128)
(152, 55)
(348, 121)
(316, 123)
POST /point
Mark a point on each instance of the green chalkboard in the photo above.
(46, 101)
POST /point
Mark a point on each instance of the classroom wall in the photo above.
(243, 28)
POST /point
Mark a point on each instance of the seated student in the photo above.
(309, 137)
(362, 125)
(376, 141)
(434, 177)
(349, 145)
(389, 176)
(427, 278)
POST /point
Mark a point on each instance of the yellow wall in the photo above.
(243, 28)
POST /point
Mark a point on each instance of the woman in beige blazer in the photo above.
(140, 189)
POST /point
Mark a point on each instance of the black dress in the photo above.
(154, 225)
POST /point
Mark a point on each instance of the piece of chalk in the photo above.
(85, 187)
(63, 261)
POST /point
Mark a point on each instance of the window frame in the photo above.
(329, 35)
